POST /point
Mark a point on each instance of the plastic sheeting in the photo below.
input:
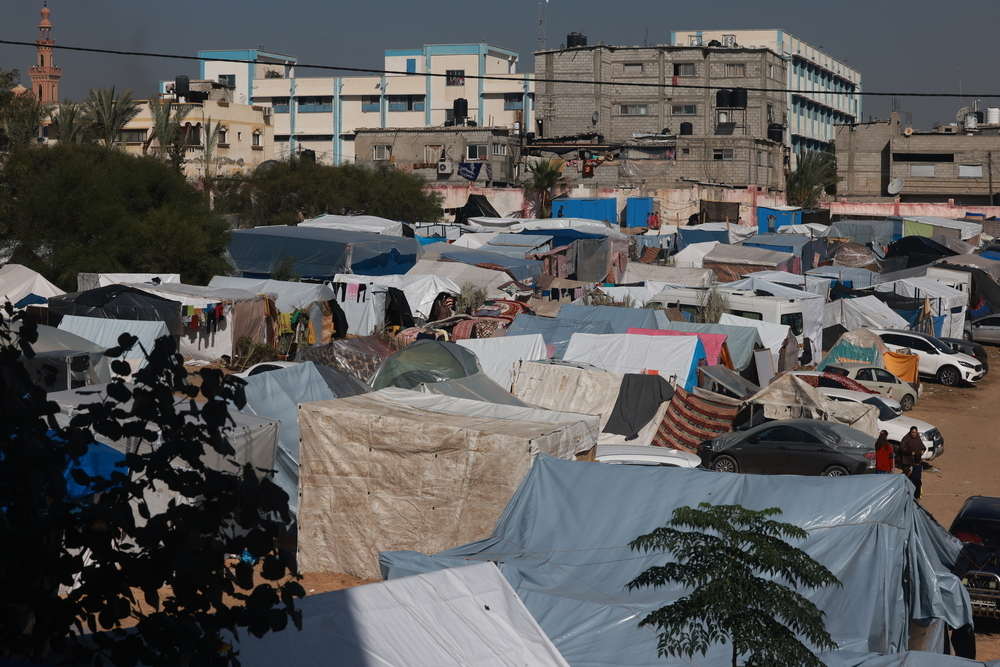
(811, 284)
(400, 469)
(676, 358)
(523, 270)
(693, 256)
(119, 302)
(477, 387)
(320, 254)
(990, 266)
(461, 274)
(856, 278)
(864, 311)
(288, 296)
(586, 392)
(500, 357)
(741, 341)
(636, 272)
(358, 357)
(425, 361)
(356, 223)
(923, 225)
(420, 290)
(860, 345)
(777, 338)
(716, 351)
(58, 348)
(878, 232)
(18, 282)
(812, 307)
(729, 263)
(105, 333)
(945, 301)
(86, 281)
(789, 397)
(460, 616)
(571, 567)
(621, 319)
(556, 332)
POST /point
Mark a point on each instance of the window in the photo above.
(632, 68)
(223, 138)
(633, 110)
(132, 136)
(258, 140)
(192, 134)
(694, 40)
(381, 152)
(770, 113)
(500, 149)
(749, 314)
(760, 158)
(455, 77)
(476, 151)
(684, 109)
(280, 104)
(411, 65)
(970, 171)
(371, 102)
(406, 102)
(433, 152)
(722, 154)
(923, 157)
(770, 71)
(793, 321)
(883, 376)
(683, 69)
(315, 104)
(736, 69)
(685, 151)
(865, 375)
(922, 170)
(513, 101)
(228, 79)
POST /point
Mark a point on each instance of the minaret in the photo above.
(45, 75)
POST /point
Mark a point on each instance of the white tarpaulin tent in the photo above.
(693, 256)
(356, 223)
(789, 397)
(288, 296)
(460, 274)
(944, 301)
(420, 290)
(812, 307)
(105, 333)
(812, 284)
(399, 469)
(87, 281)
(476, 239)
(774, 337)
(674, 357)
(17, 282)
(862, 312)
(456, 616)
(500, 357)
(636, 272)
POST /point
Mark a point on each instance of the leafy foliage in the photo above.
(167, 121)
(816, 172)
(108, 114)
(70, 124)
(543, 176)
(20, 114)
(285, 193)
(734, 560)
(72, 208)
(112, 549)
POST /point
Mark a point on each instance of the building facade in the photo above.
(44, 74)
(419, 89)
(825, 92)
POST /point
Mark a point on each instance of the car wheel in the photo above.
(836, 471)
(906, 403)
(725, 464)
(967, 335)
(948, 376)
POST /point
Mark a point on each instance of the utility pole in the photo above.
(542, 38)
(989, 169)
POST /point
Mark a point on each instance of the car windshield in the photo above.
(885, 413)
(941, 347)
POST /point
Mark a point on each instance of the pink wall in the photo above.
(940, 210)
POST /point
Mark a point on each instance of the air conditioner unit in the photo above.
(444, 167)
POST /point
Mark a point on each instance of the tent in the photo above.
(716, 351)
(571, 567)
(731, 262)
(862, 346)
(925, 225)
(676, 358)
(553, 386)
(990, 266)
(461, 274)
(946, 302)
(773, 218)
(693, 256)
(812, 306)
(522, 270)
(556, 332)
(790, 397)
(476, 387)
(778, 338)
(740, 340)
(877, 232)
(288, 296)
(459, 616)
(721, 380)
(516, 246)
(620, 319)
(804, 248)
(77, 361)
(400, 469)
(86, 281)
(690, 419)
(475, 239)
(475, 205)
(500, 357)
(357, 223)
(320, 254)
(19, 282)
(808, 283)
(357, 357)
(856, 278)
(864, 311)
(637, 273)
(918, 251)
(105, 333)
(425, 361)
(118, 302)
(420, 291)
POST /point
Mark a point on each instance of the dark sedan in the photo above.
(977, 525)
(970, 348)
(792, 447)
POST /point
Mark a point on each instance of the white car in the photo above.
(877, 379)
(647, 456)
(892, 421)
(935, 359)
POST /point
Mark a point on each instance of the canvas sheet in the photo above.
(363, 309)
(400, 469)
(17, 282)
(86, 281)
(730, 263)
(459, 616)
(676, 358)
(715, 344)
(476, 387)
(777, 338)
(864, 311)
(621, 319)
(990, 266)
(789, 397)
(460, 274)
(944, 301)
(693, 256)
(356, 223)
(964, 229)
(420, 291)
(288, 296)
(556, 332)
(571, 567)
(879, 232)
(475, 239)
(554, 387)
(105, 333)
(636, 272)
(741, 341)
(860, 345)
(500, 357)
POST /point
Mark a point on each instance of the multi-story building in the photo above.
(823, 91)
(419, 89)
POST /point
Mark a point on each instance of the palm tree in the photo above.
(20, 119)
(544, 176)
(817, 171)
(210, 141)
(69, 123)
(109, 115)
(167, 119)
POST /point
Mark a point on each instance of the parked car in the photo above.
(983, 329)
(792, 447)
(977, 526)
(647, 456)
(892, 421)
(821, 379)
(935, 359)
(879, 380)
(970, 348)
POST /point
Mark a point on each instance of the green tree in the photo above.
(285, 193)
(210, 141)
(114, 549)
(109, 114)
(816, 173)
(70, 124)
(734, 559)
(543, 175)
(167, 119)
(20, 119)
(75, 208)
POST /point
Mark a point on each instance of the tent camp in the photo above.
(925, 225)
(86, 281)
(571, 567)
(320, 254)
(716, 351)
(458, 616)
(676, 358)
(459, 274)
(105, 333)
(638, 273)
(805, 249)
(400, 469)
(19, 283)
(878, 232)
(357, 223)
(425, 361)
(730, 262)
(476, 387)
(500, 357)
(856, 278)
(358, 357)
(420, 290)
(693, 256)
(76, 360)
(789, 397)
(522, 270)
(118, 302)
(621, 319)
(947, 303)
(864, 311)
(777, 338)
(556, 332)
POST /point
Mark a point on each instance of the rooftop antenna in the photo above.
(645, 40)
(542, 7)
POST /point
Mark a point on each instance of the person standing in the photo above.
(910, 458)
(883, 454)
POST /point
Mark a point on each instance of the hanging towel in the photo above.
(352, 291)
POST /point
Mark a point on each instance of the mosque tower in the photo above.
(45, 75)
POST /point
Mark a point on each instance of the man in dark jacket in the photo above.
(909, 458)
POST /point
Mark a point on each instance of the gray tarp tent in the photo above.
(621, 319)
(556, 331)
(571, 566)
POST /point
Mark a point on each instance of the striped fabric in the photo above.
(690, 420)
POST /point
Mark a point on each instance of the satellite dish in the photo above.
(896, 186)
(962, 113)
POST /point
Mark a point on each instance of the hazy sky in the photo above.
(917, 46)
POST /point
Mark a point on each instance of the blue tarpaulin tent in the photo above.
(770, 219)
(556, 332)
(802, 247)
(688, 235)
(520, 269)
(878, 232)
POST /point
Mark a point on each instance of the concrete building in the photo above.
(951, 163)
(826, 91)
(44, 74)
(322, 113)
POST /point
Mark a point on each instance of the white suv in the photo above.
(935, 359)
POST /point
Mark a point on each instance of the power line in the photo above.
(487, 77)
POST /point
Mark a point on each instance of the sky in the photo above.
(918, 46)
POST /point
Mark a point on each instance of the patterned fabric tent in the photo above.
(690, 420)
